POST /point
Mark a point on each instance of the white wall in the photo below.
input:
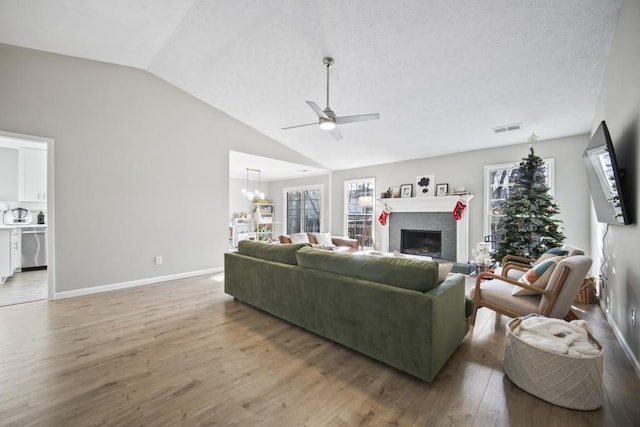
(148, 162)
(467, 170)
(619, 106)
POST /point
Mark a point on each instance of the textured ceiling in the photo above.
(441, 74)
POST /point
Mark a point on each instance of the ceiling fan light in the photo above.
(327, 124)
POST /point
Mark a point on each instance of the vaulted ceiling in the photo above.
(442, 74)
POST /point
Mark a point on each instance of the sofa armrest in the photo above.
(448, 320)
(345, 241)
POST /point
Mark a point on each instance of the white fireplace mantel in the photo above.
(432, 204)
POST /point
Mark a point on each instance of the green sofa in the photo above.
(391, 309)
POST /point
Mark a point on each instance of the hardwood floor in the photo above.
(184, 353)
(24, 287)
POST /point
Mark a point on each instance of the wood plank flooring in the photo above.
(184, 353)
(24, 287)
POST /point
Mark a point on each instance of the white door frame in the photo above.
(51, 243)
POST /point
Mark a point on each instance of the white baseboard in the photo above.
(134, 283)
(623, 343)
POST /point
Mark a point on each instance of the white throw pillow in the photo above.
(323, 238)
(299, 238)
(444, 268)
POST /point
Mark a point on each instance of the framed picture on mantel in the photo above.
(406, 190)
(425, 185)
(442, 189)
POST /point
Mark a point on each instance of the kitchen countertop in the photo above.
(7, 226)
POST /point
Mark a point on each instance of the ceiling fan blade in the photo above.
(336, 134)
(317, 109)
(299, 126)
(359, 118)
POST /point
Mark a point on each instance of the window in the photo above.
(498, 180)
(303, 213)
(358, 210)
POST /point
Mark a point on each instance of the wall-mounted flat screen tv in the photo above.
(605, 178)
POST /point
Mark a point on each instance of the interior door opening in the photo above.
(26, 267)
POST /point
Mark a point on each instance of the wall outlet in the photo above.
(633, 317)
(157, 260)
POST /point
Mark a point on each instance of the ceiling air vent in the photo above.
(507, 128)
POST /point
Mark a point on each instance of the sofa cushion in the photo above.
(325, 247)
(417, 275)
(248, 247)
(323, 239)
(299, 238)
(284, 253)
(444, 268)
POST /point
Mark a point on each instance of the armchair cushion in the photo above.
(499, 292)
(537, 276)
(575, 268)
(557, 251)
(572, 250)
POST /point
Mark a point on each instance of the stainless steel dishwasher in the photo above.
(34, 247)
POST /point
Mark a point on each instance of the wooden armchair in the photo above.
(514, 266)
(552, 301)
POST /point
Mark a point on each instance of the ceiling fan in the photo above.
(327, 119)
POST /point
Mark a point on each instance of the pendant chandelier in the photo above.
(252, 195)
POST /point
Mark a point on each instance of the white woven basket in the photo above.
(571, 382)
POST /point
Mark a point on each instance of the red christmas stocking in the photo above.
(383, 217)
(457, 211)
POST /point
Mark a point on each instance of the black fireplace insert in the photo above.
(421, 242)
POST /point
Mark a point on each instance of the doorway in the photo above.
(26, 218)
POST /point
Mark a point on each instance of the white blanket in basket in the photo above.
(557, 336)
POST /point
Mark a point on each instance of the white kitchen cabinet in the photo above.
(5, 254)
(10, 256)
(32, 181)
(16, 255)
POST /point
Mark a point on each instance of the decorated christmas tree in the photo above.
(529, 227)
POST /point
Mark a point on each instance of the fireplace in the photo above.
(419, 213)
(421, 242)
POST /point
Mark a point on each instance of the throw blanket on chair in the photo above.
(557, 336)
